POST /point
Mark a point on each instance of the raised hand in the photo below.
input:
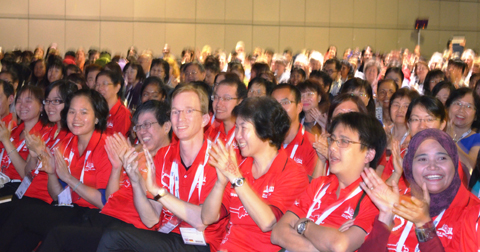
(61, 166)
(416, 211)
(34, 144)
(5, 131)
(151, 181)
(48, 162)
(380, 193)
(225, 162)
(130, 163)
(321, 146)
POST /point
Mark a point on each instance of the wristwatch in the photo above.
(426, 232)
(302, 226)
(161, 192)
(238, 182)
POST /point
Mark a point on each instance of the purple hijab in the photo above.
(442, 200)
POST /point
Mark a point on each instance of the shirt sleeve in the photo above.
(290, 183)
(103, 168)
(366, 215)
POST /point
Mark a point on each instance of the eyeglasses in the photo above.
(225, 98)
(342, 142)
(189, 111)
(419, 120)
(256, 92)
(361, 94)
(145, 126)
(329, 71)
(468, 107)
(397, 105)
(384, 92)
(103, 84)
(308, 95)
(53, 102)
(190, 73)
(285, 102)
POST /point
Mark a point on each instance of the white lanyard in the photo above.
(403, 138)
(70, 157)
(407, 229)
(463, 136)
(292, 155)
(229, 140)
(318, 201)
(174, 177)
(213, 119)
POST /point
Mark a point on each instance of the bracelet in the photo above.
(10, 152)
(76, 186)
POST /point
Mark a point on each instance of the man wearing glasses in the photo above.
(194, 72)
(297, 141)
(179, 179)
(332, 67)
(334, 207)
(226, 96)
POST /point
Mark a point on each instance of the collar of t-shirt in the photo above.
(334, 184)
(277, 166)
(198, 159)
(297, 140)
(92, 145)
(7, 118)
(115, 108)
(221, 129)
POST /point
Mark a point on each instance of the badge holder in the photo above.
(26, 182)
(192, 236)
(171, 224)
(65, 198)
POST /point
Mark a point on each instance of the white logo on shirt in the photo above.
(109, 124)
(241, 211)
(89, 167)
(445, 231)
(267, 191)
(402, 222)
(348, 214)
(298, 160)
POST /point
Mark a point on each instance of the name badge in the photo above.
(192, 236)
(65, 197)
(26, 182)
(168, 226)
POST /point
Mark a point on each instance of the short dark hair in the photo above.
(161, 111)
(458, 63)
(55, 62)
(341, 98)
(327, 80)
(165, 66)
(357, 83)
(7, 88)
(312, 85)
(99, 105)
(259, 68)
(338, 65)
(241, 88)
(227, 76)
(431, 75)
(65, 88)
(433, 106)
(38, 94)
(298, 70)
(459, 94)
(293, 89)
(140, 73)
(441, 85)
(270, 120)
(396, 70)
(73, 67)
(200, 67)
(92, 67)
(369, 129)
(235, 66)
(262, 82)
(381, 82)
(77, 78)
(154, 80)
(116, 80)
(403, 93)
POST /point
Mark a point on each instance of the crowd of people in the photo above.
(239, 152)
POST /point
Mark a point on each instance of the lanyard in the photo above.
(213, 119)
(403, 138)
(174, 177)
(230, 140)
(292, 155)
(463, 135)
(70, 157)
(407, 229)
(318, 201)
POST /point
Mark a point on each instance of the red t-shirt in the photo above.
(119, 119)
(219, 133)
(460, 215)
(7, 166)
(9, 118)
(279, 187)
(302, 151)
(120, 204)
(38, 188)
(307, 202)
(93, 162)
(164, 160)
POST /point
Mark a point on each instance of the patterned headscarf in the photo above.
(439, 201)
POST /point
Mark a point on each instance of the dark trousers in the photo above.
(30, 223)
(132, 239)
(9, 189)
(82, 238)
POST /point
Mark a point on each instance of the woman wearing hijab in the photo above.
(441, 214)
